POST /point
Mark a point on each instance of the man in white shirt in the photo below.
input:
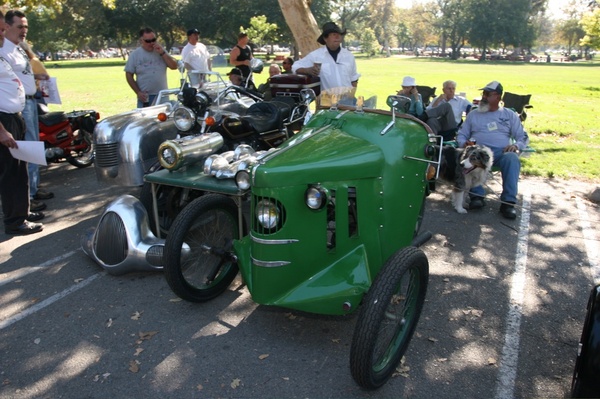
(16, 32)
(13, 172)
(459, 104)
(195, 55)
(334, 64)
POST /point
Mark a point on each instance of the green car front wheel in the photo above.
(388, 317)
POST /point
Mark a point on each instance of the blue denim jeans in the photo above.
(510, 168)
(32, 133)
(151, 99)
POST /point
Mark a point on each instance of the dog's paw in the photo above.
(461, 210)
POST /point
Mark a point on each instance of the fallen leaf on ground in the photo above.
(37, 341)
(109, 323)
(262, 357)
(136, 315)
(336, 340)
(138, 351)
(432, 339)
(199, 387)
(134, 366)
(175, 300)
(235, 383)
(78, 280)
(147, 335)
(491, 361)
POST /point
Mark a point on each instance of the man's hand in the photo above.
(511, 148)
(7, 139)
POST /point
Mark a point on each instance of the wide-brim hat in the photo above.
(493, 86)
(330, 27)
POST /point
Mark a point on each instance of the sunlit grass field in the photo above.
(564, 123)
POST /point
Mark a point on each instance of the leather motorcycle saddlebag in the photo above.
(292, 83)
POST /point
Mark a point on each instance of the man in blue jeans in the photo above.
(16, 32)
(501, 130)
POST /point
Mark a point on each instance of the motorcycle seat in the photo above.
(267, 116)
(52, 118)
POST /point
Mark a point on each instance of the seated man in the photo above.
(439, 119)
(501, 130)
(265, 88)
(235, 77)
(287, 65)
(459, 106)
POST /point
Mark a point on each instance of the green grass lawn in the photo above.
(563, 124)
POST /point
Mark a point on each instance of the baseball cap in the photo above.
(493, 86)
(235, 71)
(192, 31)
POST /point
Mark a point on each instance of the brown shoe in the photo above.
(42, 194)
(36, 206)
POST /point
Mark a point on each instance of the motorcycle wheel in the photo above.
(388, 317)
(170, 200)
(198, 264)
(82, 158)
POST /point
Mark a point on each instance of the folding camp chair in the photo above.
(427, 93)
(517, 102)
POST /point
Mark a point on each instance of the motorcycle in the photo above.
(68, 135)
(265, 125)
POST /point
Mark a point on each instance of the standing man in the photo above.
(16, 32)
(195, 55)
(149, 64)
(334, 64)
(14, 191)
(241, 56)
(501, 130)
(459, 106)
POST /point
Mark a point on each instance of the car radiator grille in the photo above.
(107, 155)
(111, 239)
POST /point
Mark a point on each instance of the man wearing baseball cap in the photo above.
(195, 55)
(334, 64)
(501, 130)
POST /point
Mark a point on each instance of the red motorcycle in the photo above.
(68, 135)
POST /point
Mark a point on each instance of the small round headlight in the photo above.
(242, 179)
(267, 214)
(169, 156)
(315, 197)
(184, 118)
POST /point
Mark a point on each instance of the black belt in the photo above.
(30, 97)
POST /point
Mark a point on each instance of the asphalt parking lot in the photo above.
(503, 315)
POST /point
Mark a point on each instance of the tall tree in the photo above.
(591, 26)
(384, 17)
(302, 23)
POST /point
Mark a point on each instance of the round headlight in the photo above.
(267, 214)
(168, 156)
(242, 179)
(184, 118)
(315, 197)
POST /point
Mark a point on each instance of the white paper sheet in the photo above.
(30, 151)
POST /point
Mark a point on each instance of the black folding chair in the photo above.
(519, 103)
(427, 93)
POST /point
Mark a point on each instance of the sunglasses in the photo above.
(150, 40)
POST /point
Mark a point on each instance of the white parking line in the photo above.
(48, 302)
(6, 278)
(591, 245)
(509, 360)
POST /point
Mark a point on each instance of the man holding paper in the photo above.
(16, 32)
(14, 181)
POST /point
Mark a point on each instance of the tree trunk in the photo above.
(302, 23)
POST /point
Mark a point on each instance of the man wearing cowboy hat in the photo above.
(334, 64)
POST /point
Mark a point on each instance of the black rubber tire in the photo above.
(585, 382)
(210, 221)
(380, 336)
(170, 203)
(85, 158)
